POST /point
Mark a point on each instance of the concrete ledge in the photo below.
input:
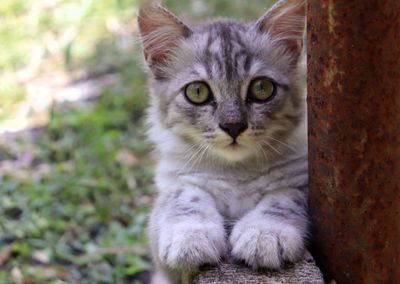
(304, 271)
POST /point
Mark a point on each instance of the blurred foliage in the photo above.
(86, 185)
(75, 194)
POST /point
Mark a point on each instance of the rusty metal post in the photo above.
(354, 138)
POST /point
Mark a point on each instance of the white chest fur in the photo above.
(235, 193)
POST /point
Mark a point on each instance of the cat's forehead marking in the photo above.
(200, 70)
(224, 51)
(215, 45)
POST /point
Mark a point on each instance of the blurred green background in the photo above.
(75, 166)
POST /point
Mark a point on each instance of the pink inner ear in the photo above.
(286, 22)
(161, 32)
(156, 52)
(291, 36)
(294, 46)
(158, 46)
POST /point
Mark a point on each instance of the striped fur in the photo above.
(215, 200)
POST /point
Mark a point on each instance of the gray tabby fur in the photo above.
(246, 201)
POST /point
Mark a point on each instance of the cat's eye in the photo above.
(197, 93)
(261, 89)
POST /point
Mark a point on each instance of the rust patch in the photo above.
(354, 138)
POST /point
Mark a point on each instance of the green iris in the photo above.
(197, 92)
(261, 89)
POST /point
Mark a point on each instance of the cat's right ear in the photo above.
(285, 23)
(161, 32)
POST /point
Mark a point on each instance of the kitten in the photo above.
(227, 117)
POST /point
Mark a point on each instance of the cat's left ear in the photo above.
(161, 32)
(285, 23)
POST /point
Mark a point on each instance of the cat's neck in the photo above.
(180, 164)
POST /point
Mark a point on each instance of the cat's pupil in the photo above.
(260, 86)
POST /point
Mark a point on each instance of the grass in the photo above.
(86, 185)
(75, 193)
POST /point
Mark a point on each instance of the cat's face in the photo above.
(229, 89)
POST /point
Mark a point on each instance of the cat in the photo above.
(227, 117)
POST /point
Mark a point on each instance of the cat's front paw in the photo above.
(189, 246)
(266, 245)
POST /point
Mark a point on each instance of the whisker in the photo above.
(201, 156)
(264, 153)
(197, 157)
(272, 147)
(283, 143)
(191, 157)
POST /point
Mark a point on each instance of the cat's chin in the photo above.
(232, 153)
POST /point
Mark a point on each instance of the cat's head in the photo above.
(228, 89)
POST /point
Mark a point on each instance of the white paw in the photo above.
(266, 245)
(188, 247)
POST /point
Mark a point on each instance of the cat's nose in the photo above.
(234, 129)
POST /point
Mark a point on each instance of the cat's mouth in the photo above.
(234, 144)
(232, 150)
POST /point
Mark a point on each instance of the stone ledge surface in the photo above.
(304, 271)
